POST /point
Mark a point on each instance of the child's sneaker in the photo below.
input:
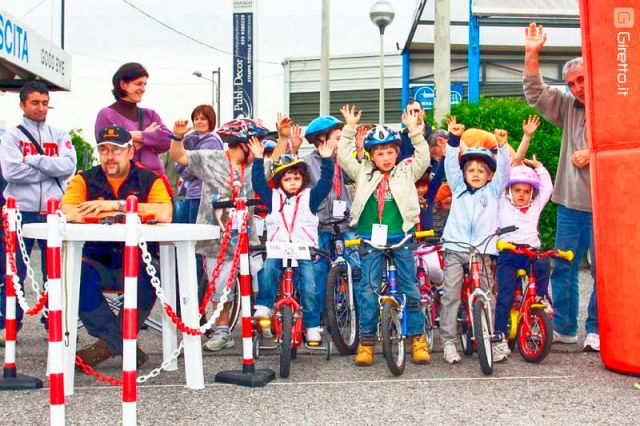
(500, 351)
(263, 312)
(420, 350)
(219, 341)
(313, 335)
(563, 338)
(591, 343)
(364, 356)
(451, 353)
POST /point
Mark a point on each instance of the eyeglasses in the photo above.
(116, 150)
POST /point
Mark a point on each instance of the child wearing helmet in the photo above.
(528, 192)
(386, 197)
(292, 207)
(225, 175)
(477, 181)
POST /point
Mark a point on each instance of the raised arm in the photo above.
(348, 163)
(283, 124)
(320, 191)
(176, 150)
(451, 163)
(529, 127)
(503, 166)
(422, 158)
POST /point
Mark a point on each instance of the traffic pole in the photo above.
(130, 314)
(11, 380)
(248, 376)
(56, 347)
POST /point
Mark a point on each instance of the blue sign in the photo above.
(13, 39)
(425, 94)
(242, 65)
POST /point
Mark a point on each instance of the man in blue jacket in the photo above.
(36, 160)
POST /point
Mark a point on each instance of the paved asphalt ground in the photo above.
(569, 387)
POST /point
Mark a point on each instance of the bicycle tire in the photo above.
(429, 329)
(466, 334)
(482, 336)
(235, 308)
(285, 341)
(544, 339)
(392, 337)
(341, 317)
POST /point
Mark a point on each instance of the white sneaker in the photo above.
(451, 353)
(563, 338)
(592, 343)
(261, 312)
(313, 334)
(218, 342)
(500, 351)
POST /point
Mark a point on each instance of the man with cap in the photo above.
(102, 192)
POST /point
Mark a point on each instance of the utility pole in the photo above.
(442, 60)
(325, 89)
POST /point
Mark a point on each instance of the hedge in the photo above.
(508, 114)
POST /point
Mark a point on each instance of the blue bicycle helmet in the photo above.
(321, 126)
(381, 135)
(269, 144)
(478, 153)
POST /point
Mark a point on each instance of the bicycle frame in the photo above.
(286, 298)
(475, 290)
(391, 289)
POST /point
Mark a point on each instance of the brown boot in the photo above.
(94, 354)
(364, 356)
(141, 356)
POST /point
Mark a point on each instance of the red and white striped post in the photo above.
(130, 314)
(249, 376)
(56, 347)
(11, 380)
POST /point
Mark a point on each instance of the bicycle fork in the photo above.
(399, 299)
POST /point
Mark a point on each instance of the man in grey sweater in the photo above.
(572, 190)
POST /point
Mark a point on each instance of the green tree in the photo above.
(508, 114)
(85, 152)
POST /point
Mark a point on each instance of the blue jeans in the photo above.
(186, 211)
(27, 217)
(321, 265)
(367, 300)
(508, 265)
(574, 231)
(304, 281)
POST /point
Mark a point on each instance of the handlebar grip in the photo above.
(353, 243)
(425, 234)
(507, 229)
(504, 245)
(223, 205)
(566, 255)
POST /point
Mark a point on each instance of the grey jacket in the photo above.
(573, 185)
(325, 211)
(30, 176)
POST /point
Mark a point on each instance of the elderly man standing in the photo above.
(102, 192)
(572, 191)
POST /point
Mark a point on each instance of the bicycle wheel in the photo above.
(512, 326)
(428, 325)
(340, 311)
(285, 341)
(234, 309)
(465, 332)
(534, 341)
(482, 335)
(392, 339)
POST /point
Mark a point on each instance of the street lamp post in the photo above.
(215, 88)
(381, 14)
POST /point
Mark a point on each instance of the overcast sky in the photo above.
(103, 34)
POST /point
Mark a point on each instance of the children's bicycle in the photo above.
(430, 295)
(393, 323)
(530, 325)
(286, 321)
(339, 302)
(475, 324)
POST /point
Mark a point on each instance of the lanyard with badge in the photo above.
(378, 230)
(235, 186)
(288, 228)
(339, 206)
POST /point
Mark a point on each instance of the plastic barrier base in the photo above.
(19, 382)
(257, 379)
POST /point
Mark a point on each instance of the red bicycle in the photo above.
(286, 322)
(530, 326)
(429, 294)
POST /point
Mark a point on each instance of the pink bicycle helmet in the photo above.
(524, 174)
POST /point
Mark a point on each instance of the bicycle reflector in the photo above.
(339, 247)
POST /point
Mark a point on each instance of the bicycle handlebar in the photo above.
(231, 204)
(532, 252)
(417, 235)
(262, 248)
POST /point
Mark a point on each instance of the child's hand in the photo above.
(283, 124)
(361, 133)
(256, 147)
(533, 162)
(181, 128)
(455, 128)
(530, 126)
(411, 119)
(325, 150)
(296, 137)
(501, 136)
(351, 118)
